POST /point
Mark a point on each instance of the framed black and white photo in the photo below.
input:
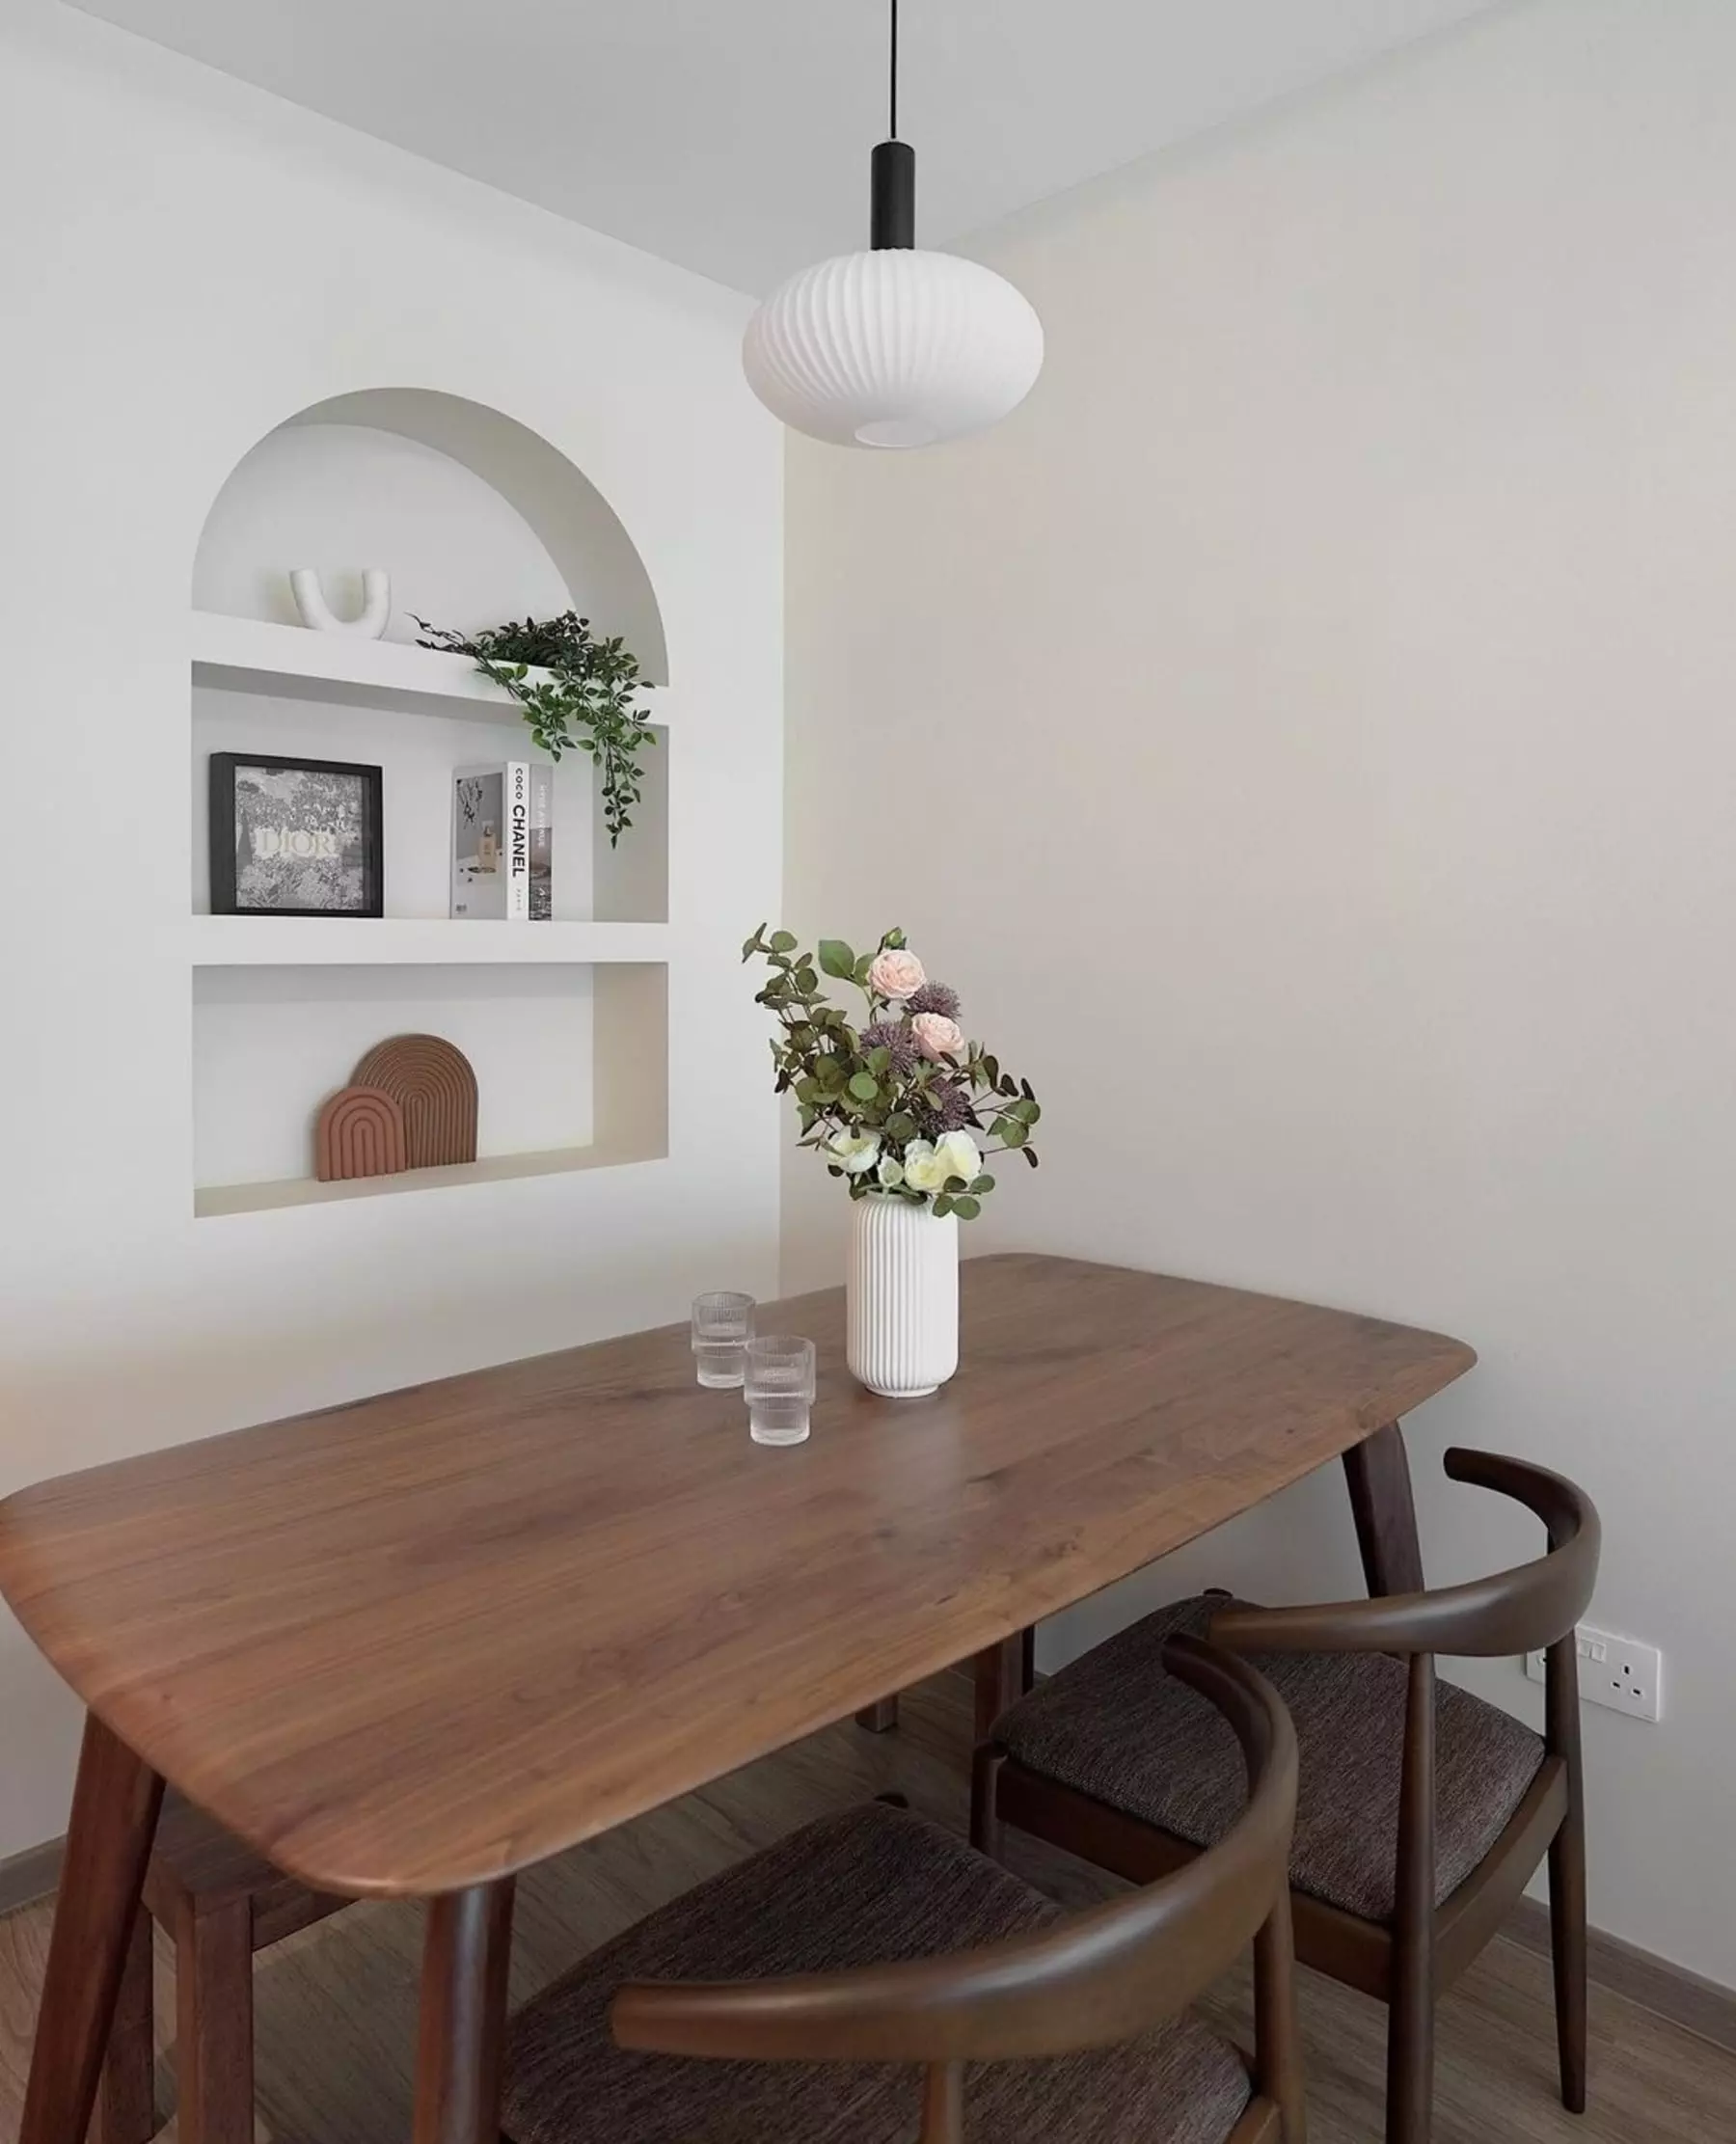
(295, 836)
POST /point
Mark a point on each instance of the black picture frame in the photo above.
(230, 895)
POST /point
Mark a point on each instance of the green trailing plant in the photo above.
(586, 702)
(900, 1105)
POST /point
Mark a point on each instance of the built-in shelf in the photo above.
(409, 941)
(566, 1022)
(289, 661)
(213, 1201)
(572, 1063)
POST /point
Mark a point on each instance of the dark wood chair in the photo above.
(908, 1948)
(220, 1902)
(1422, 1812)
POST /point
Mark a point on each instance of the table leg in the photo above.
(879, 1718)
(1003, 1675)
(1385, 1512)
(108, 1843)
(465, 1952)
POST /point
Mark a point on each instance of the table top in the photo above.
(429, 1639)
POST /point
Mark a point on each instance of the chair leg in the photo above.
(1411, 1996)
(1410, 2048)
(127, 2099)
(984, 1818)
(1567, 1950)
(1277, 2029)
(214, 2048)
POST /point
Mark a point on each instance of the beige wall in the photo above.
(1307, 732)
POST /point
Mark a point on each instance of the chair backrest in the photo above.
(1095, 1978)
(1518, 1611)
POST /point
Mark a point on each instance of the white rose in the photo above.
(959, 1152)
(924, 1168)
(890, 1172)
(853, 1150)
(938, 1037)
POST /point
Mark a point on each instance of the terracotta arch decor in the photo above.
(433, 1085)
(360, 1134)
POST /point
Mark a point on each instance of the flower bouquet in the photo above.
(907, 1111)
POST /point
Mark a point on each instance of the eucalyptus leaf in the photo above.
(587, 705)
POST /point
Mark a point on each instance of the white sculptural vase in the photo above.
(903, 1297)
(318, 616)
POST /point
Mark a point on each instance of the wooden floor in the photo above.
(337, 2006)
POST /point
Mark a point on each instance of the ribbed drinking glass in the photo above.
(779, 1387)
(722, 1324)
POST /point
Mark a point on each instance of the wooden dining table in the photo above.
(416, 1644)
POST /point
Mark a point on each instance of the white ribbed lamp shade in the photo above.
(893, 348)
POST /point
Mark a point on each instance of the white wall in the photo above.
(186, 264)
(342, 496)
(1305, 731)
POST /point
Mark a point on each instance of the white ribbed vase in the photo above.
(903, 1297)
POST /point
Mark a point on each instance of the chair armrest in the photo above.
(1099, 1978)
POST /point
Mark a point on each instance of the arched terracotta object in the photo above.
(360, 1134)
(434, 1086)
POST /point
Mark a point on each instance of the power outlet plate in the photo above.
(1624, 1673)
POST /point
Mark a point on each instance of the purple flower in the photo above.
(944, 1106)
(936, 997)
(894, 1037)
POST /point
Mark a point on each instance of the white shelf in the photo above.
(251, 655)
(409, 941)
(211, 1201)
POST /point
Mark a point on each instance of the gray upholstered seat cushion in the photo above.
(873, 1884)
(1115, 1726)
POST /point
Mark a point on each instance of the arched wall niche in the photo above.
(547, 532)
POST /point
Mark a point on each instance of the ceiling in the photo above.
(732, 136)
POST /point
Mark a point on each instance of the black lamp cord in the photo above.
(892, 98)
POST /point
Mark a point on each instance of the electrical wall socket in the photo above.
(1621, 1673)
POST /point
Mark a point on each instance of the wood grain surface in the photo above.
(424, 1642)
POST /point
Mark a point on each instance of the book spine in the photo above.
(542, 842)
(517, 841)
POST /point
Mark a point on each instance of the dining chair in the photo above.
(826, 1970)
(220, 1902)
(1421, 1811)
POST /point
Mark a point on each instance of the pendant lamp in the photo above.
(895, 347)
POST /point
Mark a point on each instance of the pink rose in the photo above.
(938, 1037)
(896, 973)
